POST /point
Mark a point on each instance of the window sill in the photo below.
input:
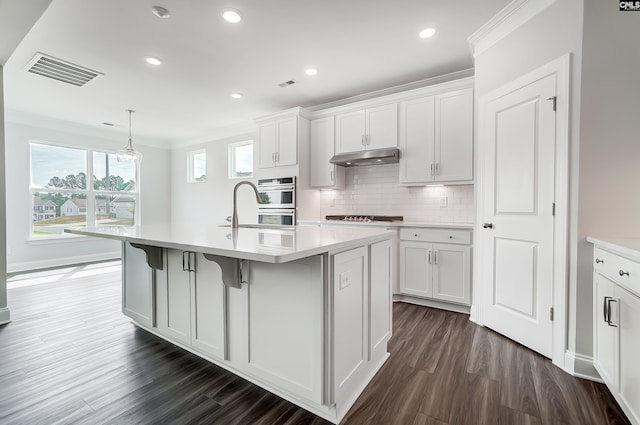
(43, 240)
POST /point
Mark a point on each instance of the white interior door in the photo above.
(518, 132)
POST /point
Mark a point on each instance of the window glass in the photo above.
(241, 160)
(197, 166)
(121, 174)
(58, 167)
(61, 196)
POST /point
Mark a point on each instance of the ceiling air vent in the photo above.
(60, 70)
(287, 83)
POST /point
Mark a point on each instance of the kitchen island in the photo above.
(302, 311)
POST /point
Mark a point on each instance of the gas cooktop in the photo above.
(364, 218)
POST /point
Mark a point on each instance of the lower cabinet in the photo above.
(616, 308)
(440, 271)
(138, 286)
(190, 302)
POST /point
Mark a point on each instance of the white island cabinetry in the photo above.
(309, 320)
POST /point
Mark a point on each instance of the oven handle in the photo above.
(275, 188)
(276, 212)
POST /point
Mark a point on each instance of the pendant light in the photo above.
(127, 153)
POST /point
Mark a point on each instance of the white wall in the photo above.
(375, 190)
(209, 201)
(557, 30)
(609, 204)
(4, 312)
(25, 254)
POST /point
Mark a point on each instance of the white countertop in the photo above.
(629, 247)
(263, 244)
(468, 226)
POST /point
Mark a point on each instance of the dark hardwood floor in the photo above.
(70, 356)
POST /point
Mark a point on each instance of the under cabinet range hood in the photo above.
(371, 157)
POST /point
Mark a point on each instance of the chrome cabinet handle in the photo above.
(623, 273)
(598, 261)
(435, 257)
(362, 140)
(429, 257)
(331, 175)
(366, 139)
(609, 301)
(604, 309)
(432, 168)
(487, 225)
(437, 168)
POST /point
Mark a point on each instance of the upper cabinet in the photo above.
(436, 138)
(323, 174)
(371, 128)
(279, 138)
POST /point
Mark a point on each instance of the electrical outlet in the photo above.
(443, 202)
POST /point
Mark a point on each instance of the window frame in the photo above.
(190, 165)
(231, 155)
(89, 191)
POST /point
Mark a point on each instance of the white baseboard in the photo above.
(5, 315)
(61, 261)
(580, 366)
(427, 302)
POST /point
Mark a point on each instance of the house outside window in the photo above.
(241, 159)
(197, 166)
(63, 195)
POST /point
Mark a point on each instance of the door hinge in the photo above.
(551, 314)
(553, 209)
(555, 100)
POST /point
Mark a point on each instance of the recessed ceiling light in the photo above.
(237, 95)
(427, 33)
(311, 71)
(231, 16)
(152, 60)
(348, 163)
(160, 12)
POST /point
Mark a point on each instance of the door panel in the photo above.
(417, 135)
(174, 315)
(266, 145)
(415, 269)
(454, 136)
(451, 273)
(518, 194)
(287, 151)
(516, 180)
(208, 314)
(515, 283)
(380, 290)
(382, 127)
(350, 129)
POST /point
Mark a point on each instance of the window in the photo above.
(197, 166)
(62, 196)
(241, 160)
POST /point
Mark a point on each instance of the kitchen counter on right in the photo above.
(399, 224)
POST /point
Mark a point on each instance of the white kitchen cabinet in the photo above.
(616, 309)
(436, 138)
(380, 290)
(350, 277)
(323, 174)
(372, 128)
(191, 305)
(440, 271)
(138, 296)
(278, 139)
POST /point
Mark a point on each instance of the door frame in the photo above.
(561, 68)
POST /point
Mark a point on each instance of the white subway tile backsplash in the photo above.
(375, 190)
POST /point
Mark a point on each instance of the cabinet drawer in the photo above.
(616, 268)
(436, 235)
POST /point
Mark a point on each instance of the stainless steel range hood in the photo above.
(372, 157)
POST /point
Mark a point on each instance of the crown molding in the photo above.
(504, 23)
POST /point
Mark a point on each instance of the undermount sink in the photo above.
(261, 226)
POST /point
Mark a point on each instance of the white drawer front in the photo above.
(624, 272)
(462, 237)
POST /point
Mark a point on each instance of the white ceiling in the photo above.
(358, 46)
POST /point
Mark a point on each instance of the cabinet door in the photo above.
(605, 341)
(138, 286)
(350, 276)
(452, 273)
(381, 281)
(287, 136)
(629, 372)
(417, 136)
(174, 297)
(266, 145)
(208, 308)
(322, 147)
(350, 130)
(382, 127)
(454, 136)
(416, 269)
(292, 323)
